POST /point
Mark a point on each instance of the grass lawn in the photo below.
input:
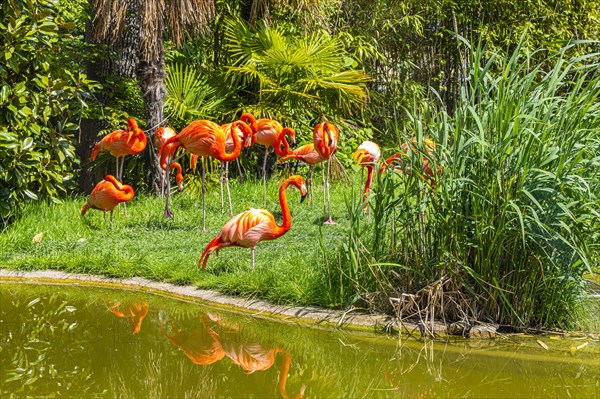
(291, 269)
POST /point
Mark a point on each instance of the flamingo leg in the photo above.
(111, 215)
(310, 185)
(203, 197)
(329, 220)
(221, 183)
(253, 258)
(241, 175)
(228, 191)
(121, 180)
(163, 177)
(104, 218)
(168, 212)
(265, 177)
(324, 189)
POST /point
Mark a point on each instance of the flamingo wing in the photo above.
(268, 132)
(248, 228)
(202, 138)
(104, 197)
(307, 154)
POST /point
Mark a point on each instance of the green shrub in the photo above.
(38, 105)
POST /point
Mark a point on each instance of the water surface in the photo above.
(94, 342)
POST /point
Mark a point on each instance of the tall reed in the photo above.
(513, 221)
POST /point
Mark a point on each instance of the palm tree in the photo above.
(151, 19)
(296, 74)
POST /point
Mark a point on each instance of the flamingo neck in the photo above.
(286, 215)
(167, 150)
(127, 192)
(250, 120)
(237, 143)
(177, 167)
(141, 137)
(370, 169)
(282, 140)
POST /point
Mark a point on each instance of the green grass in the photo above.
(291, 269)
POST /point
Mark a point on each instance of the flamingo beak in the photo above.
(303, 197)
(359, 156)
(180, 186)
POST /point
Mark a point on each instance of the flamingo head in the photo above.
(298, 182)
(132, 124)
(248, 135)
(291, 133)
(250, 121)
(367, 154)
(162, 134)
(332, 134)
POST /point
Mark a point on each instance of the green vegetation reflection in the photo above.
(75, 341)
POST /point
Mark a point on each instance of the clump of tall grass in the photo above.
(513, 221)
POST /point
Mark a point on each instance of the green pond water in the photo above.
(69, 341)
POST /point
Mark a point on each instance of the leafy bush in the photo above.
(512, 224)
(38, 105)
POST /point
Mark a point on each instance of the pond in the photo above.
(77, 341)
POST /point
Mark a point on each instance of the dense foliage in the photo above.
(511, 225)
(39, 105)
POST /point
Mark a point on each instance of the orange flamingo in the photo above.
(270, 133)
(401, 161)
(134, 311)
(106, 195)
(309, 155)
(325, 138)
(253, 357)
(229, 145)
(121, 143)
(367, 155)
(161, 135)
(195, 345)
(255, 225)
(205, 138)
(249, 357)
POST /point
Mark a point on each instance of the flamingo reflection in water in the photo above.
(135, 311)
(250, 357)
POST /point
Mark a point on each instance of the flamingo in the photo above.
(270, 133)
(106, 195)
(310, 156)
(255, 225)
(134, 311)
(161, 135)
(195, 345)
(325, 138)
(229, 144)
(205, 138)
(367, 155)
(121, 143)
(397, 160)
(203, 346)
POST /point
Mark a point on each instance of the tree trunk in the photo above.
(151, 76)
(120, 58)
(89, 128)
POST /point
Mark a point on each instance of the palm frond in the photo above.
(189, 95)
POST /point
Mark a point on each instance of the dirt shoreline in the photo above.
(352, 319)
